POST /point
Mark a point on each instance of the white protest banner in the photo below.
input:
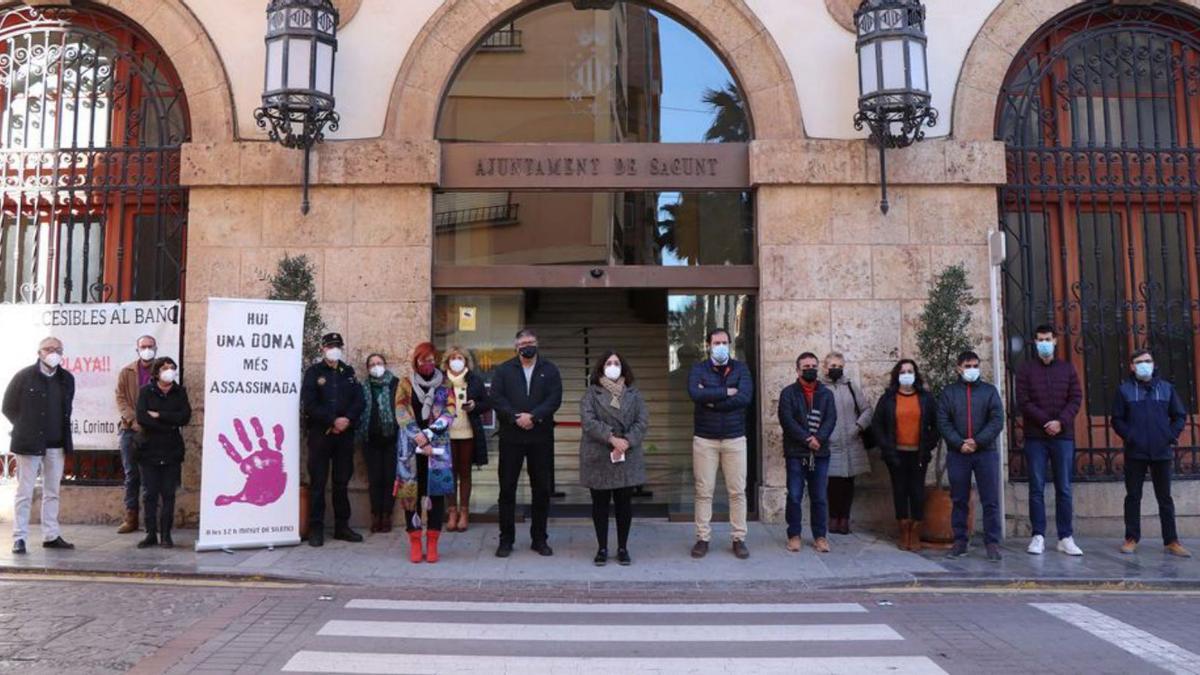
(98, 340)
(250, 471)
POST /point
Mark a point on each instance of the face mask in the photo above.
(612, 372)
(167, 375)
(809, 374)
(426, 369)
(378, 371)
(53, 359)
(528, 352)
(908, 379)
(970, 374)
(720, 353)
(147, 353)
(1045, 349)
(334, 354)
(835, 374)
(1144, 371)
(457, 365)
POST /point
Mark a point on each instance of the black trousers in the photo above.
(325, 450)
(159, 483)
(622, 498)
(1135, 477)
(380, 456)
(437, 505)
(539, 458)
(841, 496)
(908, 486)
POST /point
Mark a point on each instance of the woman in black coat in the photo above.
(377, 429)
(468, 440)
(162, 409)
(905, 424)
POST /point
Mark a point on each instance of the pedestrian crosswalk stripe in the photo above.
(387, 664)
(422, 630)
(1146, 646)
(626, 608)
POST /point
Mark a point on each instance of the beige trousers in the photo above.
(729, 456)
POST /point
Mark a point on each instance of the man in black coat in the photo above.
(332, 401)
(808, 416)
(38, 403)
(526, 392)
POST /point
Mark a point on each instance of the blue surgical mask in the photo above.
(720, 353)
(1045, 349)
(971, 374)
(1144, 370)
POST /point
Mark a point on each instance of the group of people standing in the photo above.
(422, 433)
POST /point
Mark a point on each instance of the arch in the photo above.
(730, 27)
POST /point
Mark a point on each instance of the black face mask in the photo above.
(809, 374)
(528, 352)
(835, 374)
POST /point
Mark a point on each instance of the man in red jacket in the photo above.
(1049, 397)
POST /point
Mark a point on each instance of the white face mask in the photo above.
(378, 371)
(167, 375)
(612, 372)
(147, 353)
(907, 379)
(53, 359)
(971, 374)
(334, 354)
(457, 365)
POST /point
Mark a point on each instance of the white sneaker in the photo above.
(1067, 545)
(1037, 545)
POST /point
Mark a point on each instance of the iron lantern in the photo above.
(893, 77)
(297, 100)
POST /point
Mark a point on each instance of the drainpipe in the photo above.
(996, 255)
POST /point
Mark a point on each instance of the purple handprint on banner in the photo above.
(265, 478)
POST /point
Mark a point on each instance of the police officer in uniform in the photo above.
(332, 401)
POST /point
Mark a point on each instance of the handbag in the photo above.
(867, 435)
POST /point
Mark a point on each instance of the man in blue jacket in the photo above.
(970, 419)
(808, 416)
(1149, 416)
(722, 389)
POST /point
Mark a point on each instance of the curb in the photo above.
(100, 573)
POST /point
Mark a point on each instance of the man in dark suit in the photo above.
(526, 392)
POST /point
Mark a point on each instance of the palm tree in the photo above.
(729, 124)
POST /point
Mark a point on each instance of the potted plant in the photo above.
(943, 332)
(294, 280)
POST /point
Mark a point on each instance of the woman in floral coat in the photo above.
(425, 409)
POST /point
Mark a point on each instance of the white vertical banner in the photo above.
(250, 480)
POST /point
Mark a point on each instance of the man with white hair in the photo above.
(38, 404)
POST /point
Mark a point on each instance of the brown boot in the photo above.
(452, 519)
(130, 524)
(914, 536)
(385, 522)
(462, 520)
(376, 519)
(902, 540)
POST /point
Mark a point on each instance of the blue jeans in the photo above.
(1060, 454)
(816, 476)
(133, 475)
(985, 466)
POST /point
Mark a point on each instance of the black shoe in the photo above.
(700, 549)
(504, 549)
(740, 550)
(958, 550)
(542, 548)
(344, 533)
(19, 546)
(167, 542)
(316, 537)
(58, 542)
(623, 557)
(993, 553)
(150, 540)
(601, 558)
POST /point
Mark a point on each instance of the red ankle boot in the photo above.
(414, 542)
(431, 542)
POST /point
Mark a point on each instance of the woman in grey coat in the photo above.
(611, 458)
(847, 453)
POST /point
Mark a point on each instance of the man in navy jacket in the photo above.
(808, 415)
(1149, 416)
(721, 389)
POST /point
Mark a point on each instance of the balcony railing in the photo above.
(500, 214)
(503, 40)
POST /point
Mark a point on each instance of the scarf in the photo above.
(809, 389)
(616, 388)
(425, 389)
(379, 391)
(459, 381)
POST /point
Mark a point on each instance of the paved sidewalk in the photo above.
(660, 552)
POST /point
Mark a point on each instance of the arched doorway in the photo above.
(1100, 114)
(595, 187)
